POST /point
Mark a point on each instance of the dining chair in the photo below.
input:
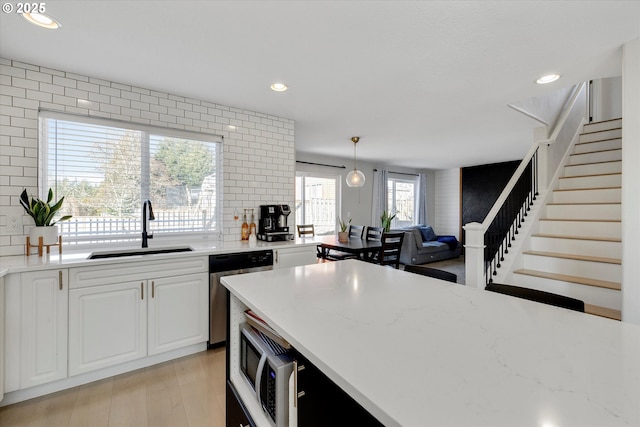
(538, 296)
(356, 231)
(389, 254)
(306, 230)
(432, 272)
(374, 233)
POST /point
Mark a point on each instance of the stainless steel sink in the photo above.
(138, 252)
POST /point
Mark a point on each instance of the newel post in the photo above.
(474, 255)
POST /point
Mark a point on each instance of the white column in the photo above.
(474, 255)
(630, 181)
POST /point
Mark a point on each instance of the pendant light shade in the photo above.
(355, 178)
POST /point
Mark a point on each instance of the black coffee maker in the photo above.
(273, 223)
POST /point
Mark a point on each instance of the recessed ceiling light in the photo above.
(279, 87)
(42, 20)
(548, 79)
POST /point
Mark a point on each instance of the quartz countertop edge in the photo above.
(68, 259)
(417, 351)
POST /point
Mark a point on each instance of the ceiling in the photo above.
(425, 84)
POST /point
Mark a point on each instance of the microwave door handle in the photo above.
(263, 360)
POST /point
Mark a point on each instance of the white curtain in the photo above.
(379, 196)
(421, 199)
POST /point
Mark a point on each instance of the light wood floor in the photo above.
(189, 391)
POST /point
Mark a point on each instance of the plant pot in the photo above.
(343, 236)
(49, 235)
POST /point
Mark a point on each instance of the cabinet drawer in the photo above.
(83, 277)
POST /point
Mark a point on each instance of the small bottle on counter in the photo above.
(252, 226)
(245, 226)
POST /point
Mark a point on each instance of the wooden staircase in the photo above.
(577, 249)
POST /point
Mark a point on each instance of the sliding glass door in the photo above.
(317, 201)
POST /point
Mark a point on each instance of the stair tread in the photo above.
(602, 130)
(581, 203)
(593, 163)
(596, 310)
(560, 236)
(589, 176)
(596, 151)
(590, 188)
(580, 220)
(575, 257)
(600, 140)
(573, 279)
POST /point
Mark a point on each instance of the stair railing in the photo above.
(486, 244)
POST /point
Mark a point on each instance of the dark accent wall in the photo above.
(481, 187)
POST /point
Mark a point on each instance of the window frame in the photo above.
(146, 130)
(338, 194)
(395, 178)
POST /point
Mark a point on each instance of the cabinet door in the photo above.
(178, 312)
(43, 319)
(107, 325)
(235, 413)
(294, 256)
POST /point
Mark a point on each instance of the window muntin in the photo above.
(317, 201)
(105, 169)
(401, 200)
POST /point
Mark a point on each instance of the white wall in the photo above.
(447, 202)
(357, 202)
(259, 153)
(630, 182)
(607, 98)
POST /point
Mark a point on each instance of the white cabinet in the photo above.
(43, 326)
(136, 310)
(294, 256)
(178, 312)
(107, 326)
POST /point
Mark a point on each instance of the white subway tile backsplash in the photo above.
(258, 156)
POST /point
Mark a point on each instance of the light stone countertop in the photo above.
(416, 351)
(74, 258)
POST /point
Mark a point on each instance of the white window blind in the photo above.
(105, 169)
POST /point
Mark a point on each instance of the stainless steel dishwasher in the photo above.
(227, 265)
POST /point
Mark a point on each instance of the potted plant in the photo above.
(343, 234)
(386, 221)
(42, 213)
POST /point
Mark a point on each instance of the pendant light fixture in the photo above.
(355, 178)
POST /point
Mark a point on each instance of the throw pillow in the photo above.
(428, 234)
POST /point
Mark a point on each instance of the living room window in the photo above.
(317, 199)
(401, 199)
(105, 169)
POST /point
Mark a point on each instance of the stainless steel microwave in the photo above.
(267, 368)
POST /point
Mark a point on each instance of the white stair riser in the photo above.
(599, 136)
(594, 181)
(572, 267)
(600, 156)
(602, 212)
(582, 228)
(577, 246)
(598, 126)
(605, 195)
(588, 147)
(602, 297)
(593, 169)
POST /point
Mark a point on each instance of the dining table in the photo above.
(362, 248)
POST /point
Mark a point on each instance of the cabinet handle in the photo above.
(141, 290)
(153, 289)
(276, 257)
(60, 279)
(296, 394)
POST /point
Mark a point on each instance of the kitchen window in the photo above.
(105, 169)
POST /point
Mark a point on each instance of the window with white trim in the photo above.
(106, 169)
(317, 201)
(401, 199)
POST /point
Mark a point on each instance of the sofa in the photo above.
(422, 245)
